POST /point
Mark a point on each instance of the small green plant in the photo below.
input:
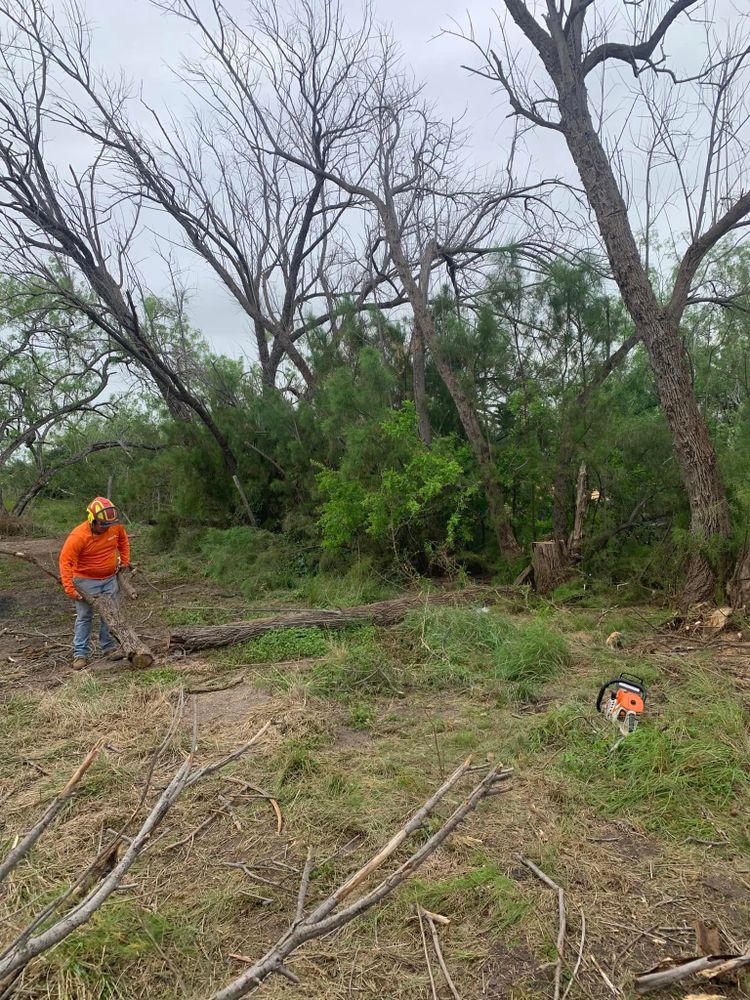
(159, 676)
(484, 888)
(361, 716)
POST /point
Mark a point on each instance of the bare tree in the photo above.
(270, 231)
(698, 130)
(392, 154)
(74, 235)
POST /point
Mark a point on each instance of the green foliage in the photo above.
(278, 646)
(415, 500)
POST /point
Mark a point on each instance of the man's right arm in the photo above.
(68, 561)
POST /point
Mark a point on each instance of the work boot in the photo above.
(114, 654)
(79, 663)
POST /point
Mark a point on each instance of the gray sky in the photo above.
(133, 36)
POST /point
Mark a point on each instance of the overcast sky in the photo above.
(134, 36)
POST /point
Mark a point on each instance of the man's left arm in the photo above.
(123, 547)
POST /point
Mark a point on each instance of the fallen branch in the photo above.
(322, 920)
(561, 917)
(26, 843)
(381, 613)
(217, 687)
(708, 968)
(28, 946)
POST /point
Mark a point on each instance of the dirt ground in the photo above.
(639, 893)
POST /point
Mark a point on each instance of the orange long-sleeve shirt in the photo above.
(92, 557)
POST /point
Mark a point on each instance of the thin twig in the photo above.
(426, 953)
(579, 959)
(561, 918)
(438, 950)
(303, 886)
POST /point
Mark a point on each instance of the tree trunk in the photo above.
(134, 648)
(420, 386)
(506, 540)
(709, 512)
(381, 613)
(550, 563)
(575, 542)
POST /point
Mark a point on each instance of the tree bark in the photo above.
(420, 386)
(381, 613)
(709, 512)
(739, 585)
(575, 542)
(550, 563)
(137, 652)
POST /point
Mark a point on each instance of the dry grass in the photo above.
(348, 759)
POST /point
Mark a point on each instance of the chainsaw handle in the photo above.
(602, 690)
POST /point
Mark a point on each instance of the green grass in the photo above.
(120, 936)
(276, 647)
(483, 891)
(685, 774)
(473, 646)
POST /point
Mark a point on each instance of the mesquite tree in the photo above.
(393, 154)
(693, 137)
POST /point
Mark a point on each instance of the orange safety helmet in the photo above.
(102, 511)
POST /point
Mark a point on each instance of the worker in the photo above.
(90, 559)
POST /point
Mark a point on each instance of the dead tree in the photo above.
(394, 155)
(74, 235)
(704, 158)
(272, 234)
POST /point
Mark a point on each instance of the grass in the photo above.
(359, 738)
(483, 891)
(277, 647)
(477, 646)
(685, 774)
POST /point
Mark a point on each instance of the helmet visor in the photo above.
(106, 516)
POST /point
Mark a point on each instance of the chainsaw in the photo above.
(625, 701)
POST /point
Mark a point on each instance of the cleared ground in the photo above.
(646, 838)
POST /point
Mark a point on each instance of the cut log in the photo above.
(134, 648)
(381, 613)
(551, 564)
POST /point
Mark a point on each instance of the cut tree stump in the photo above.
(381, 613)
(739, 586)
(551, 564)
(134, 648)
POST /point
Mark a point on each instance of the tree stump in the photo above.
(739, 586)
(551, 564)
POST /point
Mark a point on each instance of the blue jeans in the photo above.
(85, 614)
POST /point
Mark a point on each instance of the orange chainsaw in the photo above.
(625, 701)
